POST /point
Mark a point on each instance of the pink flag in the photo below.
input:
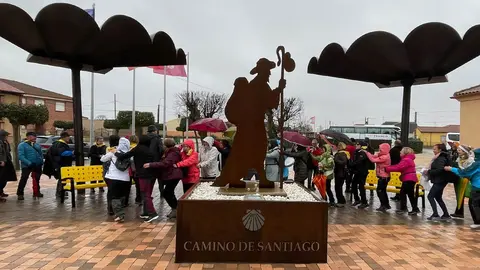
(178, 71)
(312, 120)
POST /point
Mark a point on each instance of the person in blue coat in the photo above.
(285, 169)
(473, 174)
(31, 160)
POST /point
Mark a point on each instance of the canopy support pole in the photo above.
(405, 125)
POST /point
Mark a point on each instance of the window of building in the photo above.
(39, 102)
(60, 106)
(24, 101)
(2, 99)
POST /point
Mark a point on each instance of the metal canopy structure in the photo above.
(64, 35)
(427, 55)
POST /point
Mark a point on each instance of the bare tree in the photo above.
(302, 125)
(212, 104)
(188, 104)
(292, 111)
(200, 104)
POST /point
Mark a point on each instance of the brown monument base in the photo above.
(216, 231)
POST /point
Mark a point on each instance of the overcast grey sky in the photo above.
(226, 38)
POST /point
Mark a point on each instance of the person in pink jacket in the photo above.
(382, 160)
(189, 165)
(409, 178)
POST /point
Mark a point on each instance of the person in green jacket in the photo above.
(326, 164)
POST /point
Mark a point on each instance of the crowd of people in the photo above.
(142, 161)
(147, 160)
(350, 166)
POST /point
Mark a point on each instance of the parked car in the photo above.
(47, 141)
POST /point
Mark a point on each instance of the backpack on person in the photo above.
(122, 165)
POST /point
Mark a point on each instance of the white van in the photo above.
(452, 137)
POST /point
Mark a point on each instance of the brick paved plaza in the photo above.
(43, 234)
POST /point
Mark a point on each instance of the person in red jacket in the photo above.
(191, 173)
(170, 174)
(409, 178)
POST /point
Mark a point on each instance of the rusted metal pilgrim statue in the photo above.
(246, 109)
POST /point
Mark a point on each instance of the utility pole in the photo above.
(416, 113)
(366, 120)
(329, 124)
(158, 119)
(115, 105)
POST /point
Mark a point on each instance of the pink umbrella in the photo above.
(208, 125)
(297, 138)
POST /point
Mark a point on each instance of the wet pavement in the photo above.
(44, 234)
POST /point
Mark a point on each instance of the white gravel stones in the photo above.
(204, 191)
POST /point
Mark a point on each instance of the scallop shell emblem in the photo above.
(253, 220)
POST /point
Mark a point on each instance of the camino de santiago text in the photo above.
(213, 246)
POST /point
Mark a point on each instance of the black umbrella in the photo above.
(336, 135)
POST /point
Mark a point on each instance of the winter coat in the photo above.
(61, 155)
(30, 154)
(272, 164)
(7, 172)
(437, 173)
(406, 167)
(5, 154)
(371, 165)
(96, 152)
(300, 164)
(285, 169)
(156, 146)
(209, 159)
(326, 162)
(315, 151)
(382, 159)
(359, 165)
(341, 159)
(113, 172)
(141, 154)
(224, 152)
(472, 172)
(189, 162)
(395, 155)
(165, 166)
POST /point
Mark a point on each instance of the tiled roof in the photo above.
(4, 87)
(444, 129)
(466, 92)
(26, 89)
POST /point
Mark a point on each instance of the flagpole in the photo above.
(164, 102)
(133, 106)
(92, 98)
(188, 83)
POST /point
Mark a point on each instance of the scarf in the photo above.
(475, 166)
